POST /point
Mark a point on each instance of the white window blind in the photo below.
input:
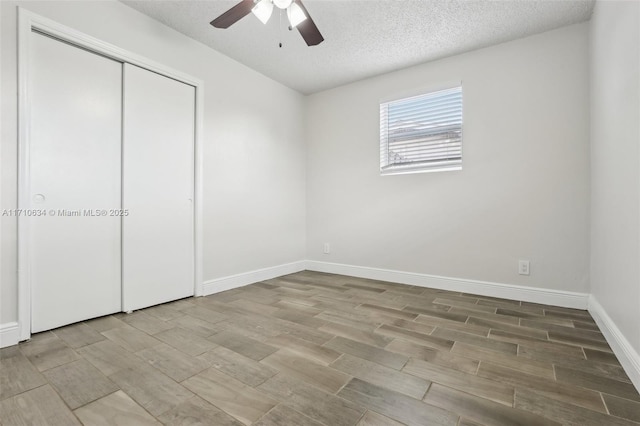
(422, 133)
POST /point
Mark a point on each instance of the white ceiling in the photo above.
(363, 38)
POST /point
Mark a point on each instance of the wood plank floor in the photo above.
(319, 349)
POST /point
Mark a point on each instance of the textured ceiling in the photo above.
(366, 37)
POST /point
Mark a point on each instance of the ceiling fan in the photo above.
(262, 9)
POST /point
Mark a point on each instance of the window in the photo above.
(422, 133)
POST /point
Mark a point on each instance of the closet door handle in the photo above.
(38, 198)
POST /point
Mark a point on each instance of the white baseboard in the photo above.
(546, 296)
(240, 280)
(627, 355)
(9, 334)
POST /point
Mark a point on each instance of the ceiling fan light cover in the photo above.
(282, 4)
(263, 10)
(295, 14)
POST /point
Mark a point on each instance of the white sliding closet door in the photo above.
(74, 163)
(158, 182)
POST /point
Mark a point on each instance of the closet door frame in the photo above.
(28, 22)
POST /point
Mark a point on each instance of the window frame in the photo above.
(437, 165)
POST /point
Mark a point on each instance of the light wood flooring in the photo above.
(312, 349)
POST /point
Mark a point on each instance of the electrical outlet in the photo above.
(523, 267)
(327, 248)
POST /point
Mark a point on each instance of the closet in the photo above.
(111, 180)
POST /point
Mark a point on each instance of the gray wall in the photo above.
(615, 164)
(523, 192)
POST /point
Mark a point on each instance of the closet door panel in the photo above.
(158, 181)
(74, 163)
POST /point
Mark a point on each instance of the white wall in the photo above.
(254, 174)
(615, 165)
(523, 192)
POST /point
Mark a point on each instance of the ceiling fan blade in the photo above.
(233, 15)
(308, 29)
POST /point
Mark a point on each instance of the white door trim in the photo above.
(27, 22)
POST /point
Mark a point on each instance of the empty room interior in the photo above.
(320, 212)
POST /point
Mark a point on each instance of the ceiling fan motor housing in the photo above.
(282, 4)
